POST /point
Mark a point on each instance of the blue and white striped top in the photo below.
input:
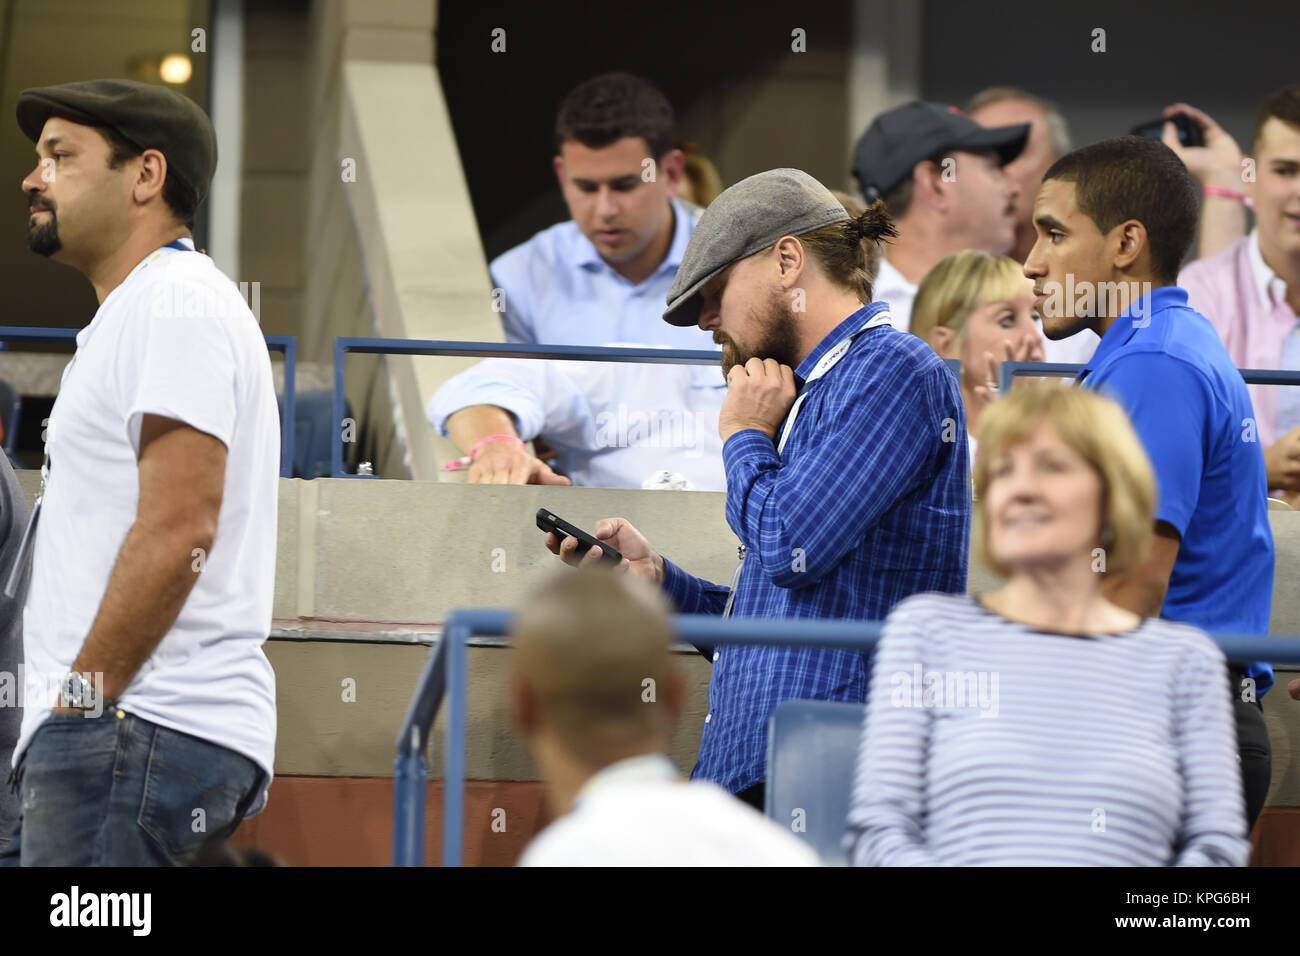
(987, 742)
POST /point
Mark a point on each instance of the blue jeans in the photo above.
(117, 790)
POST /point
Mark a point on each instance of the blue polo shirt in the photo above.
(1164, 363)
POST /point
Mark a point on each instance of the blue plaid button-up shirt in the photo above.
(869, 503)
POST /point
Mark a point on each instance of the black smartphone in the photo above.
(1189, 131)
(549, 521)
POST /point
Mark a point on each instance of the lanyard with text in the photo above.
(824, 365)
(827, 362)
(25, 544)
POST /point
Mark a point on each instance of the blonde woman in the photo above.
(978, 308)
(1040, 724)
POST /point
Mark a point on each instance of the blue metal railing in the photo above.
(445, 672)
(1252, 376)
(588, 353)
(286, 344)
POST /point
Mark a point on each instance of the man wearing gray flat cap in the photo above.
(149, 718)
(844, 448)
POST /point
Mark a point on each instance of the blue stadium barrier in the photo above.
(445, 673)
(1252, 376)
(286, 344)
(583, 353)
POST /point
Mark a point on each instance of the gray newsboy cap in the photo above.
(747, 218)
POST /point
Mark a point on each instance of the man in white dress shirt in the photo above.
(596, 693)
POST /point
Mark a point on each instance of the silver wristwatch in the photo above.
(76, 692)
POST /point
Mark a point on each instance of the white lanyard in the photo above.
(827, 362)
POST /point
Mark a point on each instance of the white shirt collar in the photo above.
(646, 768)
(1269, 286)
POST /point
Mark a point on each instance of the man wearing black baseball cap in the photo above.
(844, 449)
(940, 175)
(149, 719)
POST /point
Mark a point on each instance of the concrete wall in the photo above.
(407, 553)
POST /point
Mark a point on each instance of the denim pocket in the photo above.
(192, 791)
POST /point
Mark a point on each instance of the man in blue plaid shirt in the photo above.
(844, 448)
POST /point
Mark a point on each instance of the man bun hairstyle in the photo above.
(847, 251)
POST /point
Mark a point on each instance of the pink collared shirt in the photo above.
(1246, 303)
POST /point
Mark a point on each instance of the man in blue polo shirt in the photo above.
(1114, 222)
(599, 278)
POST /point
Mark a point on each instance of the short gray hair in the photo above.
(1058, 129)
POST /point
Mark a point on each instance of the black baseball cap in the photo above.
(147, 115)
(902, 137)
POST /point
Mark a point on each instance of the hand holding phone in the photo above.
(550, 522)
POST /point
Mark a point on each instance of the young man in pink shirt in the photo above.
(1251, 290)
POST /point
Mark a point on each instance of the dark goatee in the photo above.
(43, 239)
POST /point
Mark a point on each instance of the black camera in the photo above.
(1189, 131)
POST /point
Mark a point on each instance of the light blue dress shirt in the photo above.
(559, 291)
(613, 426)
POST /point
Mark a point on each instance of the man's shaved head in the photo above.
(587, 647)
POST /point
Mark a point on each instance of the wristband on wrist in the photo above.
(473, 452)
(1226, 194)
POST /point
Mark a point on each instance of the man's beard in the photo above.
(775, 338)
(43, 238)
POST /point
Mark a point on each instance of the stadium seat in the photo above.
(313, 432)
(11, 408)
(812, 748)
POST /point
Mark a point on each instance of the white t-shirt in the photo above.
(639, 812)
(175, 339)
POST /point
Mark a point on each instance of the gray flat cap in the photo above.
(747, 218)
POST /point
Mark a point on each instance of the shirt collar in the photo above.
(837, 335)
(1140, 315)
(1269, 286)
(645, 768)
(586, 256)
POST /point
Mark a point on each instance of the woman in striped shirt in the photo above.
(1041, 724)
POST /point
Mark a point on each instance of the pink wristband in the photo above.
(473, 452)
(1226, 194)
